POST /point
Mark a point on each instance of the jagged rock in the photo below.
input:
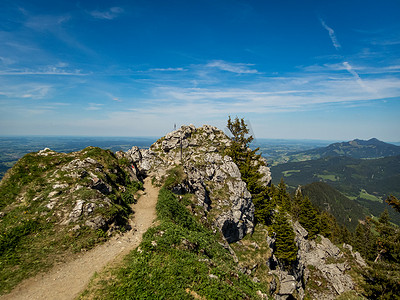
(334, 274)
(313, 254)
(89, 208)
(53, 193)
(288, 285)
(347, 246)
(359, 259)
(51, 205)
(213, 178)
(46, 152)
(76, 211)
(96, 223)
(329, 248)
(262, 295)
(316, 254)
(60, 186)
(356, 255)
(272, 285)
(265, 170)
(101, 186)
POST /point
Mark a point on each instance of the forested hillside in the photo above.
(326, 198)
(369, 182)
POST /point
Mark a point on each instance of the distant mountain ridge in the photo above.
(372, 148)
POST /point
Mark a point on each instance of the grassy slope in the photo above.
(178, 259)
(31, 236)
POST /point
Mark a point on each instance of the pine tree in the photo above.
(383, 278)
(308, 217)
(246, 160)
(283, 197)
(285, 247)
(364, 240)
(296, 203)
(394, 202)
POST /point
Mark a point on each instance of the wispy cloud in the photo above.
(238, 68)
(109, 14)
(168, 69)
(113, 97)
(6, 61)
(94, 106)
(357, 77)
(332, 35)
(25, 90)
(54, 71)
(46, 22)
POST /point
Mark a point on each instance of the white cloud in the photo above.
(6, 60)
(113, 97)
(46, 22)
(238, 68)
(109, 14)
(94, 106)
(168, 69)
(357, 77)
(25, 91)
(47, 71)
(331, 34)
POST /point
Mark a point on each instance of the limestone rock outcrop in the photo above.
(211, 175)
(316, 261)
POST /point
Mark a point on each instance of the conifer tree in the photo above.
(394, 202)
(245, 159)
(364, 240)
(283, 197)
(308, 217)
(285, 247)
(383, 278)
(296, 203)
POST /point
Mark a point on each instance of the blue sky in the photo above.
(294, 69)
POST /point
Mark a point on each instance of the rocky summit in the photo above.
(209, 174)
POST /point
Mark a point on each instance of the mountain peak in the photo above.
(357, 148)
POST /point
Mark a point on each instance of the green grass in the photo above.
(330, 177)
(289, 172)
(364, 195)
(253, 251)
(31, 236)
(177, 259)
(176, 175)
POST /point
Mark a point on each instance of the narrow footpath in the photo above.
(68, 280)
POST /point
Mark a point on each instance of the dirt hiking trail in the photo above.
(67, 281)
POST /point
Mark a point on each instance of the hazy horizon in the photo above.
(275, 140)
